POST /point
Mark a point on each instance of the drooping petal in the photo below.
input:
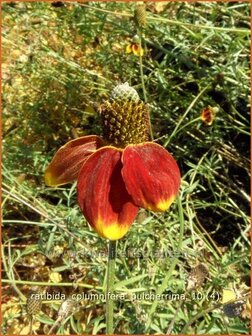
(151, 176)
(68, 160)
(102, 195)
(128, 49)
(137, 49)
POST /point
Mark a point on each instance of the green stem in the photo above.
(141, 66)
(154, 18)
(31, 324)
(165, 281)
(9, 271)
(110, 287)
(41, 283)
(142, 79)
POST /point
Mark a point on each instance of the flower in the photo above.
(134, 48)
(119, 172)
(208, 115)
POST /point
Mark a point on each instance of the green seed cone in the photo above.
(125, 123)
(125, 118)
(140, 15)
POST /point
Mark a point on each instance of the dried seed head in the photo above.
(125, 118)
(197, 276)
(233, 309)
(140, 15)
(34, 301)
(66, 308)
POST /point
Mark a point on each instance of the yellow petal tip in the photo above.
(113, 231)
(49, 180)
(161, 206)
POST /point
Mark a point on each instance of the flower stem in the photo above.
(174, 262)
(142, 78)
(110, 287)
(141, 65)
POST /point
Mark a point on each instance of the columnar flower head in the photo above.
(119, 172)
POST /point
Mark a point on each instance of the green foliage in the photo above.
(59, 64)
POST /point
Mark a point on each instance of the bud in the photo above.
(140, 15)
(208, 115)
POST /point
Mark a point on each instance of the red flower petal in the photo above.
(102, 195)
(151, 176)
(67, 162)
